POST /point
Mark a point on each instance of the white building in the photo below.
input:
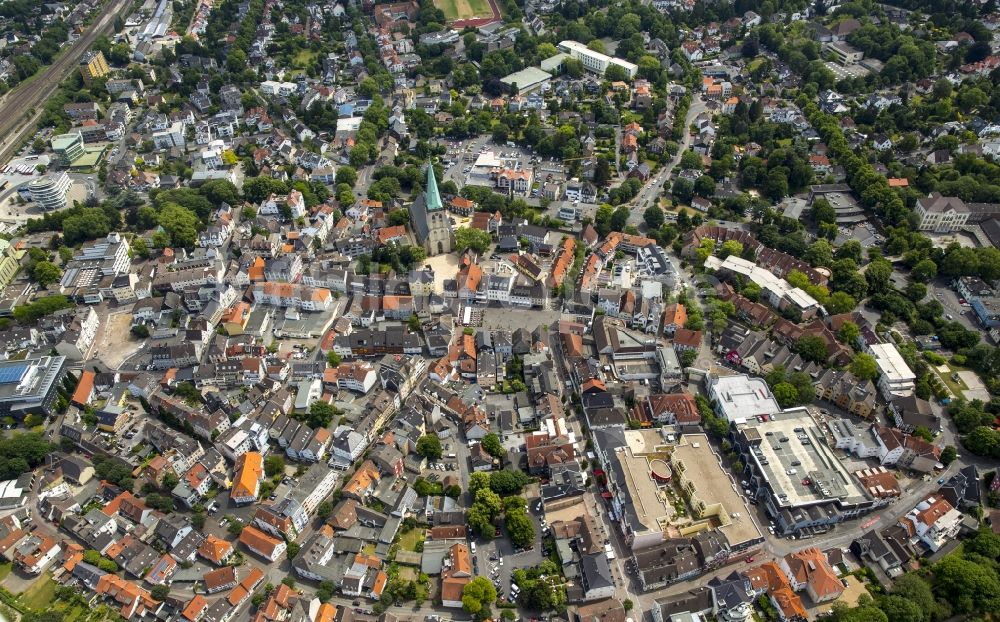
(933, 521)
(595, 61)
(172, 136)
(212, 156)
(291, 295)
(272, 88)
(940, 213)
(110, 255)
(778, 292)
(740, 398)
(896, 379)
(317, 483)
(359, 377)
(294, 200)
(50, 191)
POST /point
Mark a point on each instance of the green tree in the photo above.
(321, 413)
(840, 302)
(969, 587)
(475, 239)
(786, 394)
(160, 592)
(819, 253)
(924, 271)
(492, 445)
(480, 521)
(347, 175)
(220, 191)
(508, 482)
(274, 464)
(653, 216)
(812, 348)
(848, 333)
(45, 273)
(477, 481)
(915, 589)
(519, 527)
(490, 502)
(730, 247)
(477, 596)
(864, 367)
(181, 224)
(948, 454)
(429, 446)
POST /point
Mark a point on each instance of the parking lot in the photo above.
(842, 72)
(512, 319)
(497, 559)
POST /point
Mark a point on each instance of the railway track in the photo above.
(21, 109)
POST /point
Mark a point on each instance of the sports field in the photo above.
(464, 9)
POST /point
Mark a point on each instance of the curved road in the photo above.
(21, 108)
(652, 189)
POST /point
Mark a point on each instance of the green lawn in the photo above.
(5, 570)
(408, 541)
(41, 594)
(956, 388)
(463, 9)
(304, 58)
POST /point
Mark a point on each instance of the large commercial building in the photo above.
(641, 465)
(30, 386)
(791, 470)
(68, 147)
(528, 80)
(93, 65)
(596, 62)
(50, 191)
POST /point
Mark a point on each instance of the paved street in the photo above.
(651, 192)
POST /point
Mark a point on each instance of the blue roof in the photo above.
(11, 374)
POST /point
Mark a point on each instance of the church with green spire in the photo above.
(431, 222)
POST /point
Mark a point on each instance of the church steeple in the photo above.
(431, 195)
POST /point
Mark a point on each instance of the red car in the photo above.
(496, 534)
(749, 559)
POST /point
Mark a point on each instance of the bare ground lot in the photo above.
(114, 342)
(445, 267)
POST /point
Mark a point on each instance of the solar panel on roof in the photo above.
(12, 373)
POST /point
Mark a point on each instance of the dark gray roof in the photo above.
(595, 572)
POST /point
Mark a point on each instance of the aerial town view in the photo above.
(499, 310)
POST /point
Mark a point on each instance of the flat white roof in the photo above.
(763, 277)
(741, 397)
(579, 48)
(349, 124)
(488, 160)
(890, 362)
(526, 78)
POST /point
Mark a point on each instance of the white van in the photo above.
(472, 547)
